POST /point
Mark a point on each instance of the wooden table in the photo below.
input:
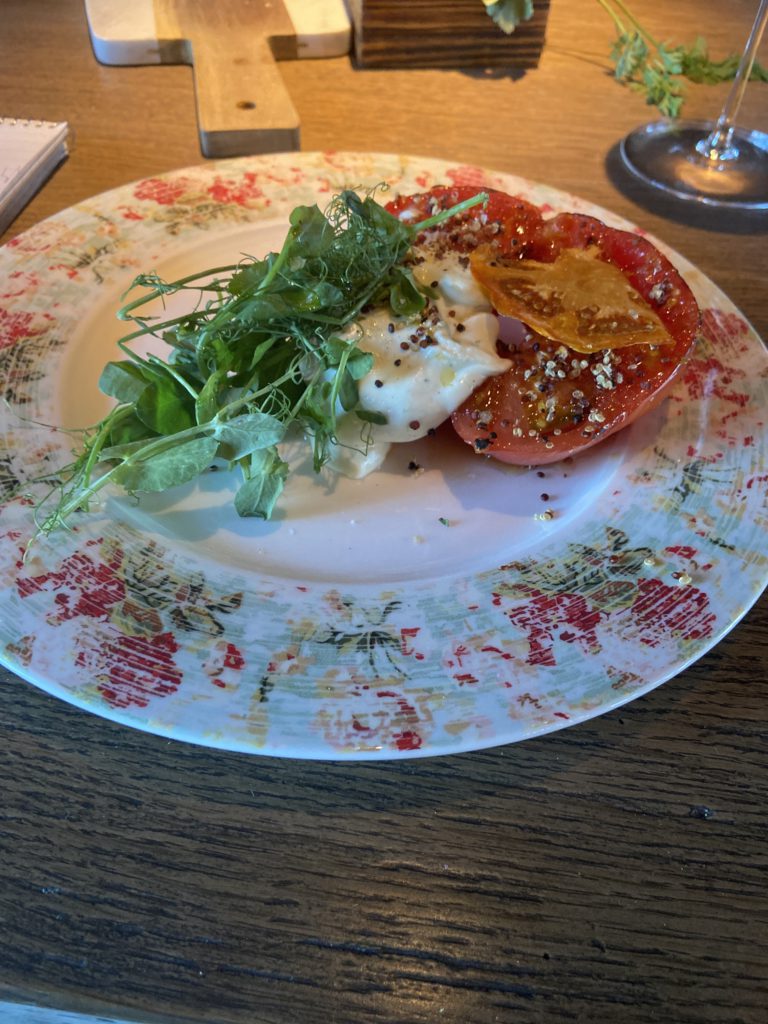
(615, 871)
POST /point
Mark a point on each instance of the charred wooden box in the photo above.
(442, 34)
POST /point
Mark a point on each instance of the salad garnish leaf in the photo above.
(270, 346)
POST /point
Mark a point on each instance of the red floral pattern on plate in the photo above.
(601, 606)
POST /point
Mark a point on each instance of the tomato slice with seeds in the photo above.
(555, 401)
(508, 222)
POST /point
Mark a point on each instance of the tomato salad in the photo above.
(595, 321)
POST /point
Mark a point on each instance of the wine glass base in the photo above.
(664, 154)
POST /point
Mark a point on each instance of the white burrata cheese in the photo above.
(423, 367)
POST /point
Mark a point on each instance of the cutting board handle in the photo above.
(242, 103)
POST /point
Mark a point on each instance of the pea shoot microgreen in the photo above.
(269, 346)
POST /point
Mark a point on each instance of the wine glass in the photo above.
(709, 162)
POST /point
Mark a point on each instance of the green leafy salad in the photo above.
(264, 351)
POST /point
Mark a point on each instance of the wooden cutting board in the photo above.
(233, 45)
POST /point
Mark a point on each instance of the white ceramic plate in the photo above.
(411, 613)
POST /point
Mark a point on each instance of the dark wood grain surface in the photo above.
(434, 34)
(613, 872)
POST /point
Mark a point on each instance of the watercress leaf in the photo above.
(122, 380)
(263, 308)
(311, 365)
(359, 363)
(321, 442)
(207, 402)
(371, 416)
(248, 433)
(339, 348)
(250, 275)
(165, 407)
(352, 203)
(375, 214)
(187, 365)
(212, 354)
(405, 299)
(168, 468)
(310, 299)
(326, 295)
(257, 497)
(387, 226)
(319, 402)
(118, 452)
(347, 394)
(252, 335)
(334, 349)
(127, 429)
(314, 411)
(258, 494)
(312, 233)
(255, 349)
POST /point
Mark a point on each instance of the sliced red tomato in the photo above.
(508, 222)
(555, 401)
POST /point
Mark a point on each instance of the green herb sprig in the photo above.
(660, 71)
(657, 70)
(508, 14)
(267, 347)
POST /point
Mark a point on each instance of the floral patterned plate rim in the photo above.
(413, 613)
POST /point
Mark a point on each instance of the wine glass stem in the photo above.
(717, 146)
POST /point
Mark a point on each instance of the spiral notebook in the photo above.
(29, 151)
